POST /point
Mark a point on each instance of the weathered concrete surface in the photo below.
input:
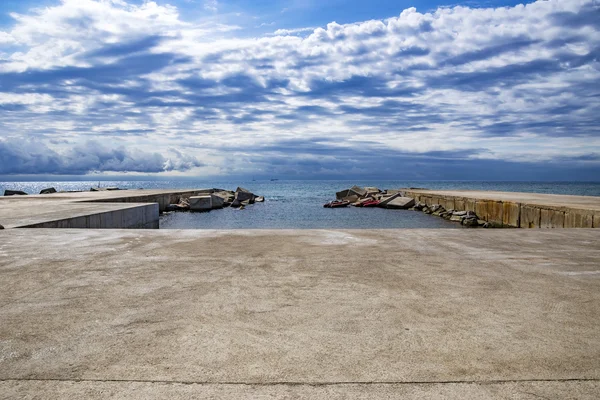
(104, 209)
(520, 210)
(201, 203)
(475, 314)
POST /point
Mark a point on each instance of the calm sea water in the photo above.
(299, 204)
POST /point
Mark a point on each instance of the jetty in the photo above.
(109, 209)
(517, 210)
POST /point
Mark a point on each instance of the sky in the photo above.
(301, 89)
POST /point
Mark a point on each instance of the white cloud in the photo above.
(211, 5)
(512, 83)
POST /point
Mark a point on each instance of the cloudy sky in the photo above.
(301, 88)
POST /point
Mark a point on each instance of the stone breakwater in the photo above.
(396, 199)
(488, 209)
(216, 199)
(110, 208)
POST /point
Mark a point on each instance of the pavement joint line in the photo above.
(300, 383)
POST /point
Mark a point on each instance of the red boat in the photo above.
(336, 204)
(372, 203)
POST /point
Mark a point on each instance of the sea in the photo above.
(298, 204)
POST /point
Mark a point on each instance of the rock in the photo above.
(470, 222)
(419, 206)
(457, 218)
(459, 213)
(227, 196)
(1, 227)
(436, 207)
(486, 225)
(99, 189)
(260, 199)
(48, 191)
(390, 192)
(385, 200)
(361, 192)
(401, 203)
(244, 195)
(14, 193)
(481, 222)
(371, 191)
(217, 201)
(471, 214)
(446, 214)
(201, 203)
(352, 194)
(240, 203)
(426, 210)
(177, 207)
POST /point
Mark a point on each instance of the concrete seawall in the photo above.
(123, 209)
(517, 210)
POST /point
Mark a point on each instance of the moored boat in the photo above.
(336, 204)
(371, 203)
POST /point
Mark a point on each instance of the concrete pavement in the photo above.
(300, 314)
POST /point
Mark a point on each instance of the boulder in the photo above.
(481, 222)
(226, 196)
(14, 193)
(457, 218)
(401, 203)
(419, 206)
(352, 194)
(360, 192)
(217, 201)
(390, 192)
(260, 199)
(372, 191)
(436, 208)
(385, 200)
(459, 213)
(426, 210)
(244, 195)
(177, 207)
(470, 222)
(201, 203)
(1, 227)
(48, 191)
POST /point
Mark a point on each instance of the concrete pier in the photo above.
(517, 210)
(97, 210)
(319, 314)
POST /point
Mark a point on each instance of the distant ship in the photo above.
(273, 180)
